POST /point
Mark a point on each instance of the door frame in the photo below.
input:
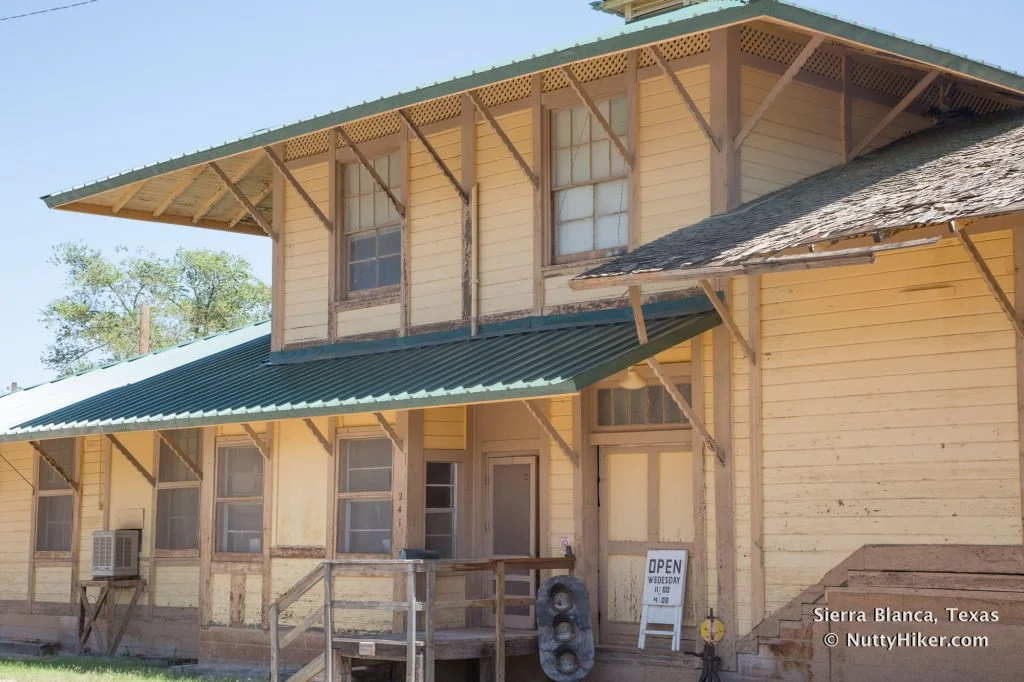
(490, 460)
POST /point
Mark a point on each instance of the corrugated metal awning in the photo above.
(238, 384)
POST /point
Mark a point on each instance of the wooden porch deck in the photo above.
(449, 645)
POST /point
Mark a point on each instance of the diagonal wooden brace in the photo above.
(243, 200)
(257, 441)
(730, 323)
(18, 472)
(438, 161)
(588, 101)
(549, 429)
(240, 175)
(389, 431)
(500, 132)
(990, 279)
(53, 463)
(365, 162)
(280, 165)
(320, 437)
(684, 94)
(173, 447)
(131, 459)
(900, 107)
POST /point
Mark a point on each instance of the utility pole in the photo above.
(144, 329)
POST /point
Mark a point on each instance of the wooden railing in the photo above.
(418, 666)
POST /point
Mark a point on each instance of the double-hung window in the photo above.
(589, 183)
(441, 496)
(55, 499)
(177, 494)
(239, 504)
(364, 497)
(373, 227)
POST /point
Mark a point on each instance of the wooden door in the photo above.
(512, 526)
(647, 498)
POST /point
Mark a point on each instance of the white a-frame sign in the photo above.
(664, 595)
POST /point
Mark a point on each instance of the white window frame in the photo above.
(453, 509)
(237, 442)
(340, 498)
(40, 493)
(398, 223)
(176, 485)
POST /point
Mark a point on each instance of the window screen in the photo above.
(364, 497)
(177, 497)
(54, 497)
(650, 405)
(440, 508)
(373, 230)
(590, 192)
(239, 499)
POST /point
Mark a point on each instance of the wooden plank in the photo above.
(127, 618)
(188, 177)
(280, 166)
(638, 314)
(21, 475)
(365, 162)
(410, 626)
(328, 616)
(310, 670)
(1018, 297)
(723, 312)
(89, 621)
(236, 613)
(470, 245)
(937, 580)
(53, 463)
(757, 586)
(119, 446)
(699, 578)
(438, 161)
(990, 279)
(126, 196)
(549, 429)
(257, 441)
(320, 437)
(683, 93)
(780, 85)
(389, 431)
(335, 199)
(725, 544)
(900, 107)
(588, 102)
(846, 110)
(306, 583)
(206, 510)
(530, 174)
(165, 436)
(275, 644)
(207, 205)
(724, 76)
(242, 199)
(260, 196)
(541, 198)
(277, 256)
(499, 622)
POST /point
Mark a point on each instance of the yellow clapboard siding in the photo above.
(305, 244)
(176, 586)
(369, 319)
(444, 428)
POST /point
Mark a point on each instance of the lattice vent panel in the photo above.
(307, 145)
(977, 103)
(785, 51)
(592, 70)
(371, 128)
(506, 91)
(435, 110)
(678, 48)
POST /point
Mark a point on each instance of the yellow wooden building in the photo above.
(739, 278)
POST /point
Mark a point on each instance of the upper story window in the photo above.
(589, 183)
(373, 228)
(54, 497)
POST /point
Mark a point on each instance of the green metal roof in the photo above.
(683, 21)
(240, 383)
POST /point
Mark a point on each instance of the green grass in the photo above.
(87, 669)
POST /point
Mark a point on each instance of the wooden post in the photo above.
(757, 598)
(499, 621)
(1018, 299)
(428, 626)
(328, 623)
(275, 645)
(410, 623)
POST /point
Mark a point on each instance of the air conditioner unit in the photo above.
(115, 553)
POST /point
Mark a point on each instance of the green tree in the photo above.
(195, 293)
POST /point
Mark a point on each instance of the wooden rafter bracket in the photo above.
(813, 44)
(53, 464)
(389, 431)
(505, 140)
(684, 94)
(257, 440)
(365, 163)
(900, 107)
(588, 102)
(280, 165)
(260, 196)
(990, 279)
(189, 178)
(212, 200)
(678, 398)
(243, 200)
(126, 196)
(320, 437)
(552, 432)
(438, 161)
(173, 447)
(21, 475)
(730, 323)
(131, 459)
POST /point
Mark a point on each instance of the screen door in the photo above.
(512, 511)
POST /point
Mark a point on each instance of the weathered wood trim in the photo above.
(700, 541)
(20, 475)
(53, 463)
(335, 284)
(591, 106)
(131, 459)
(632, 91)
(270, 474)
(189, 176)
(277, 263)
(990, 279)
(260, 196)
(723, 312)
(206, 510)
(320, 437)
(846, 107)
(725, 512)
(297, 186)
(365, 162)
(1018, 298)
(757, 576)
(907, 100)
(331, 539)
(683, 93)
(389, 431)
(541, 196)
(585, 517)
(467, 151)
(258, 441)
(438, 161)
(126, 196)
(169, 442)
(207, 205)
(780, 85)
(549, 429)
(500, 132)
(242, 199)
(724, 78)
(76, 517)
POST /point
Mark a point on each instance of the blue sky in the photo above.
(97, 89)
